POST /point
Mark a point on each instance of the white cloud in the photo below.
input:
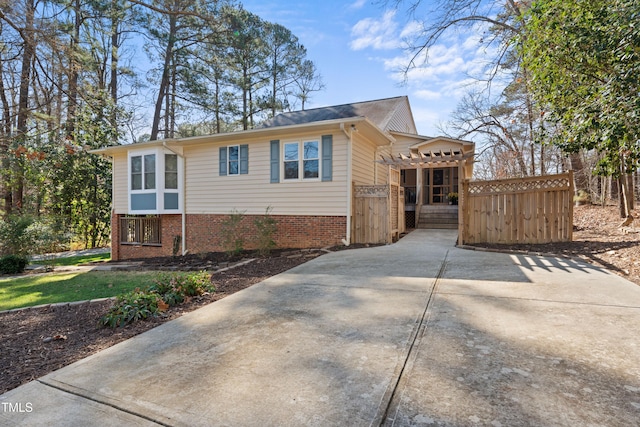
(437, 81)
(376, 33)
(411, 30)
(358, 4)
(427, 94)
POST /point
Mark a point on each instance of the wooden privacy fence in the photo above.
(378, 213)
(522, 210)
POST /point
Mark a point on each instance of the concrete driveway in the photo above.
(416, 333)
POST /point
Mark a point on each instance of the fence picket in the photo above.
(523, 210)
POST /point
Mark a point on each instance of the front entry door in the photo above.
(438, 182)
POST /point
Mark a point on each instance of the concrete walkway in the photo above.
(416, 333)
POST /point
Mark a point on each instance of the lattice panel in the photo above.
(372, 191)
(519, 186)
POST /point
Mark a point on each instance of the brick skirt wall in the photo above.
(171, 227)
(204, 234)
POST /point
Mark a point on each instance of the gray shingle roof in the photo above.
(379, 112)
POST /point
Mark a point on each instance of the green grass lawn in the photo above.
(67, 287)
(75, 260)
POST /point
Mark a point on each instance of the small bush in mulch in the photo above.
(168, 291)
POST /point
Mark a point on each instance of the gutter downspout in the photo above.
(347, 240)
(183, 233)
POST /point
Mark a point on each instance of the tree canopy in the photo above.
(584, 60)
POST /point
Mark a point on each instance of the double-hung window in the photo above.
(143, 172)
(307, 160)
(291, 160)
(234, 160)
(310, 159)
(171, 171)
(303, 157)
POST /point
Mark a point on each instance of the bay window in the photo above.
(154, 182)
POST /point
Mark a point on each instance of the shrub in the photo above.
(232, 232)
(167, 291)
(14, 237)
(13, 264)
(197, 284)
(132, 306)
(266, 228)
(27, 235)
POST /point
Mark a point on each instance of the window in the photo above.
(314, 158)
(311, 159)
(143, 172)
(171, 171)
(234, 160)
(309, 163)
(291, 160)
(140, 230)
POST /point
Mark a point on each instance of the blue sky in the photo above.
(357, 47)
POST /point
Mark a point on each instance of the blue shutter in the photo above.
(244, 159)
(327, 157)
(275, 160)
(223, 161)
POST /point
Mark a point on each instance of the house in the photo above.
(172, 196)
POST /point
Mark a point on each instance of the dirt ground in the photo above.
(37, 341)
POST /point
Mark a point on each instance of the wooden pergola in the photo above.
(429, 159)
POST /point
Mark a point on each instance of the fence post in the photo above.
(463, 218)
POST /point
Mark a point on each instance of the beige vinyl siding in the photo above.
(402, 119)
(382, 171)
(364, 153)
(252, 193)
(402, 144)
(120, 183)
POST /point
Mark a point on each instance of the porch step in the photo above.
(438, 216)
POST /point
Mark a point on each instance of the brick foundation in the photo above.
(204, 234)
(171, 227)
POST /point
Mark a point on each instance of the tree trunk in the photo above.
(580, 179)
(74, 69)
(625, 196)
(5, 137)
(632, 193)
(165, 81)
(115, 47)
(17, 187)
(245, 100)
